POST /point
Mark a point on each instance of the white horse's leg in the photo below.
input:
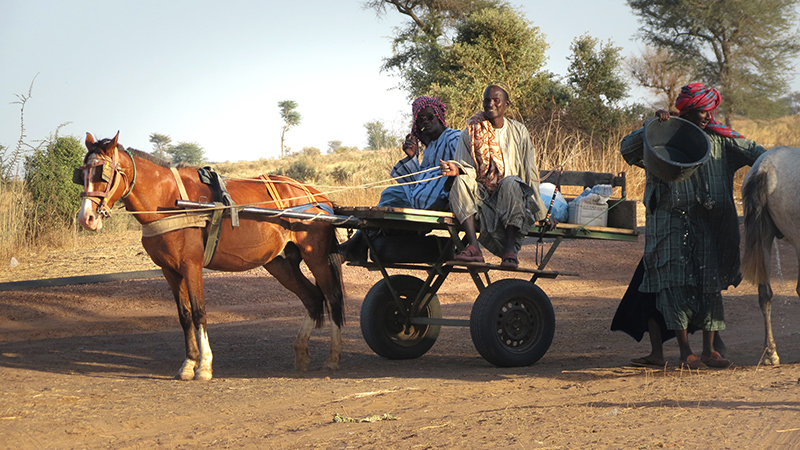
(302, 360)
(765, 302)
(204, 370)
(336, 348)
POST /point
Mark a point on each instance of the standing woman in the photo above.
(692, 230)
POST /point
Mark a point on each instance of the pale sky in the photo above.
(212, 72)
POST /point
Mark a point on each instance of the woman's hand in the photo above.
(662, 115)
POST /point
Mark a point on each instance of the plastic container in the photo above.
(674, 149)
(584, 213)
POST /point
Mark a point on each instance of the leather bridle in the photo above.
(110, 172)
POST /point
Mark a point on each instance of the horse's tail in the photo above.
(759, 228)
(337, 299)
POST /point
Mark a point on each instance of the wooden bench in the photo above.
(623, 212)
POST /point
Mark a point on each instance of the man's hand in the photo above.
(411, 146)
(549, 224)
(448, 168)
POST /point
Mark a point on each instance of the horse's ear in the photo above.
(114, 141)
(89, 139)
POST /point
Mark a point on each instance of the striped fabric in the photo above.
(422, 195)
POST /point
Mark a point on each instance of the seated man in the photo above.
(496, 179)
(429, 128)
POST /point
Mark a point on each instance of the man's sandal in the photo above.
(469, 254)
(509, 260)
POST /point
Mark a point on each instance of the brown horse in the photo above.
(147, 185)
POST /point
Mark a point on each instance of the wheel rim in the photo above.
(395, 326)
(518, 325)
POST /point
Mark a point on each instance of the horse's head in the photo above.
(104, 182)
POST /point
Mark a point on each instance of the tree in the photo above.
(333, 146)
(661, 72)
(290, 118)
(161, 145)
(379, 137)
(453, 48)
(48, 179)
(188, 153)
(594, 75)
(743, 47)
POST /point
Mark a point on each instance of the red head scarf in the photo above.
(696, 96)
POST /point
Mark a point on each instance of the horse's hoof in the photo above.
(772, 360)
(186, 373)
(333, 366)
(203, 375)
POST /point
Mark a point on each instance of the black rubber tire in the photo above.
(381, 323)
(512, 323)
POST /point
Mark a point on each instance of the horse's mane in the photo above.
(153, 159)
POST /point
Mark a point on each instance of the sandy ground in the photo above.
(93, 366)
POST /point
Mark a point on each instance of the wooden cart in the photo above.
(512, 322)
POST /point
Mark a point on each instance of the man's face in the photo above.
(495, 103)
(428, 123)
(698, 117)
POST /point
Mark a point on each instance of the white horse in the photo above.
(771, 209)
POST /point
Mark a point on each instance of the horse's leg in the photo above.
(328, 279)
(181, 295)
(287, 272)
(188, 292)
(194, 283)
(765, 302)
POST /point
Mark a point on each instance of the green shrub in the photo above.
(48, 180)
(300, 170)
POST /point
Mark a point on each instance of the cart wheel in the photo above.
(512, 323)
(382, 324)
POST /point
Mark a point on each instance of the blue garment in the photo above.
(422, 195)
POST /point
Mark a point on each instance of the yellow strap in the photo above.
(312, 199)
(273, 192)
(176, 222)
(181, 188)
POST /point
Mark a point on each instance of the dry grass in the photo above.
(771, 133)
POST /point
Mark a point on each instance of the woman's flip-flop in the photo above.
(693, 362)
(644, 362)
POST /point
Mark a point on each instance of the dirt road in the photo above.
(93, 366)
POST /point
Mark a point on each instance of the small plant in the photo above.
(300, 170)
